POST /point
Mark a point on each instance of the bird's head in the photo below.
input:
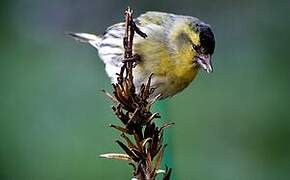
(197, 39)
(203, 46)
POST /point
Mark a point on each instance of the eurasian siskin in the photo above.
(175, 49)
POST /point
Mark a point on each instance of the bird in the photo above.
(175, 49)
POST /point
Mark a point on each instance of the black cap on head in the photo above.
(207, 40)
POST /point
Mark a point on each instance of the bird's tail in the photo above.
(92, 39)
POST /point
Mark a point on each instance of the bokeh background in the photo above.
(231, 125)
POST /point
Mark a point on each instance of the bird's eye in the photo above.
(195, 47)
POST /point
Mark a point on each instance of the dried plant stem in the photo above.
(144, 148)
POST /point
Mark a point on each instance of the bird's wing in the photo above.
(153, 17)
(111, 48)
(111, 44)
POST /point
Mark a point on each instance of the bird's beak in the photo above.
(204, 61)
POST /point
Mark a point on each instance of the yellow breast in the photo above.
(172, 71)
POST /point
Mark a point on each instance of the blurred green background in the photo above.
(231, 125)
